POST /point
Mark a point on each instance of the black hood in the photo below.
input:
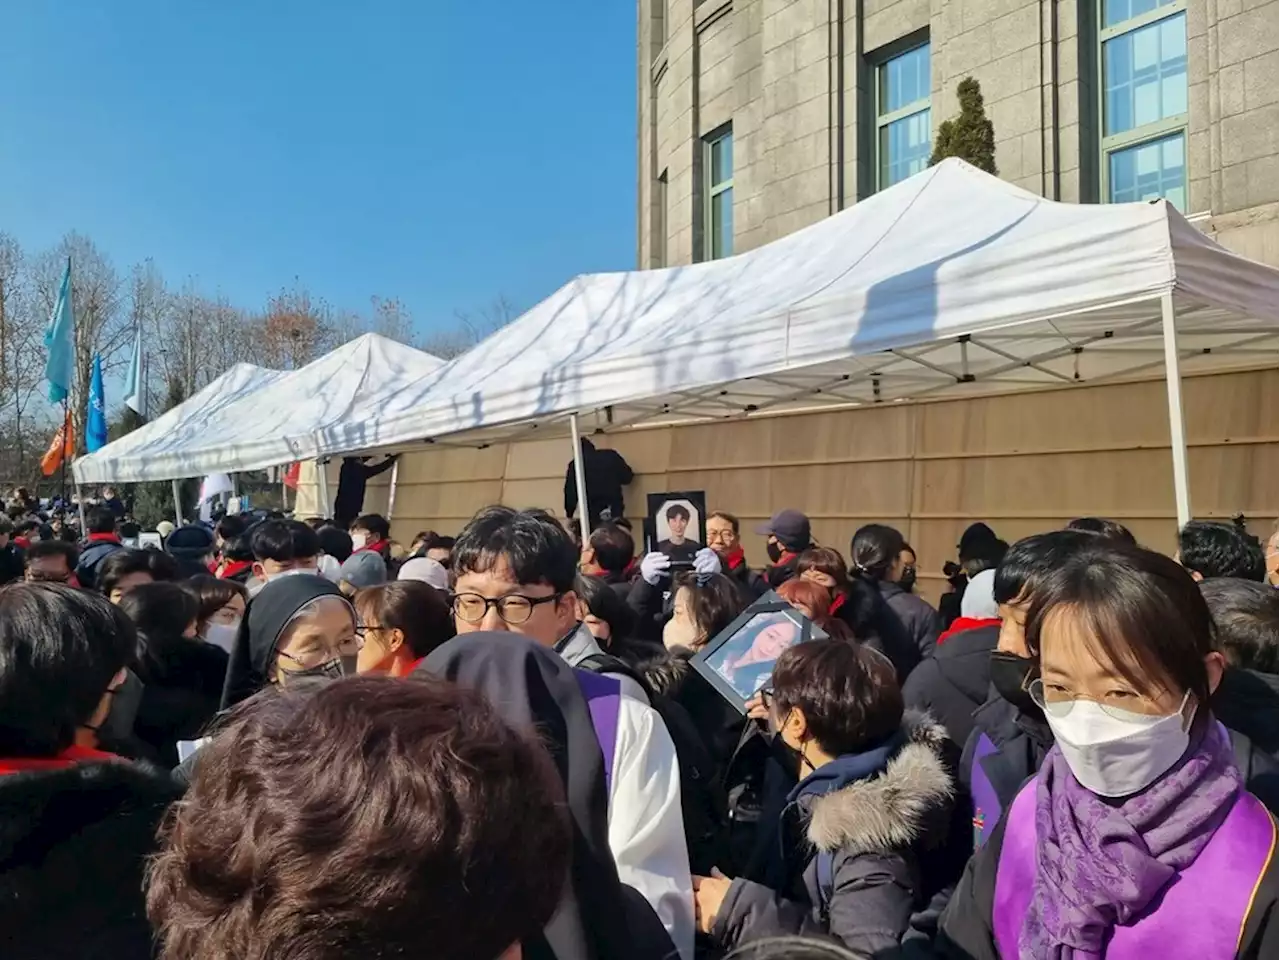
(534, 689)
(1248, 702)
(264, 621)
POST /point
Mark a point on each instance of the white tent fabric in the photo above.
(176, 425)
(283, 418)
(951, 281)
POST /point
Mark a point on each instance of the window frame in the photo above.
(1147, 133)
(903, 112)
(712, 189)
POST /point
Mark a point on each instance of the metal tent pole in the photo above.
(1177, 421)
(584, 524)
(322, 484)
(391, 493)
(177, 504)
(84, 524)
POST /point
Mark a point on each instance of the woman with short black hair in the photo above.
(79, 823)
(874, 796)
(1138, 819)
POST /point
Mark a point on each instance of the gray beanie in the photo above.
(363, 569)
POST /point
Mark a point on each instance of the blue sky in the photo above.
(444, 152)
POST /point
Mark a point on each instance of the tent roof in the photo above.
(260, 418)
(951, 281)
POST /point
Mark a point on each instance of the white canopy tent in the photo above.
(252, 425)
(949, 282)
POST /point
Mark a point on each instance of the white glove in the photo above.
(706, 561)
(654, 567)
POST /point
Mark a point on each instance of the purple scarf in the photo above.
(1099, 865)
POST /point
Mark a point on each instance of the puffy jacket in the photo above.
(954, 682)
(91, 559)
(1005, 748)
(871, 826)
(921, 621)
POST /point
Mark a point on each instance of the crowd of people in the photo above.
(287, 738)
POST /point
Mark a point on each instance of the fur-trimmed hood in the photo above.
(667, 674)
(907, 804)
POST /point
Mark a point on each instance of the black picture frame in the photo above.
(710, 661)
(695, 503)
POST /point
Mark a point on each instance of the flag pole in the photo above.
(65, 414)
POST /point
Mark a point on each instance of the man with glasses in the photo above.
(52, 561)
(722, 537)
(514, 572)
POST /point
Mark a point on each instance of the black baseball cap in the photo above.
(791, 527)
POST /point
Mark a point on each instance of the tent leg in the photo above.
(1177, 422)
(391, 492)
(322, 484)
(584, 523)
(177, 504)
(84, 524)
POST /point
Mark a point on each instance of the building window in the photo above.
(1144, 100)
(718, 167)
(904, 132)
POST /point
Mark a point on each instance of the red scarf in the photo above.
(68, 757)
(734, 558)
(23, 542)
(232, 567)
(960, 624)
(837, 603)
(380, 547)
(787, 557)
(103, 538)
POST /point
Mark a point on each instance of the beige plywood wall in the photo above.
(1022, 462)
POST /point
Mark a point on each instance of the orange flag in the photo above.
(291, 475)
(63, 445)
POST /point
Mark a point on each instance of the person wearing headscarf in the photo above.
(601, 916)
(296, 627)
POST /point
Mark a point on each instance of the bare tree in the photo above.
(21, 365)
(101, 327)
(294, 329)
(471, 328)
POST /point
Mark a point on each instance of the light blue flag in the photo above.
(95, 432)
(60, 341)
(135, 381)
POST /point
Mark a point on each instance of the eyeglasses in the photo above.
(1059, 703)
(514, 608)
(362, 633)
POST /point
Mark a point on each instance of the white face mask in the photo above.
(1117, 753)
(359, 541)
(222, 634)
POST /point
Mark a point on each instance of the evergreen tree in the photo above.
(970, 136)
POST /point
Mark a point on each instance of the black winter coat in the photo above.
(1247, 703)
(182, 686)
(751, 585)
(954, 682)
(11, 563)
(874, 623)
(353, 479)
(605, 473)
(1022, 741)
(921, 621)
(73, 849)
(876, 831)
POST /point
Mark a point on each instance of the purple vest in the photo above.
(604, 695)
(1217, 890)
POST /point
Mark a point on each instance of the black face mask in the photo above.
(908, 580)
(1011, 675)
(775, 550)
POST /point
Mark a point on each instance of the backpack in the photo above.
(700, 796)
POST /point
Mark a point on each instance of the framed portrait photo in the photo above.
(679, 524)
(739, 660)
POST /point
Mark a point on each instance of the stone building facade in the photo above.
(759, 117)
